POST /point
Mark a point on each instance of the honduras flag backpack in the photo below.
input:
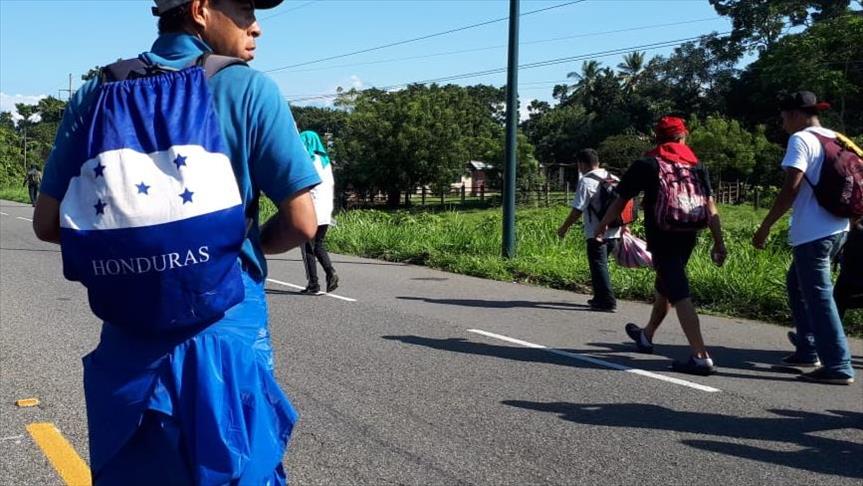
(153, 223)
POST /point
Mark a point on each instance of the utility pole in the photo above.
(511, 134)
(69, 91)
(25, 149)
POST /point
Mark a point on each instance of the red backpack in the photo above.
(605, 195)
(681, 202)
(840, 186)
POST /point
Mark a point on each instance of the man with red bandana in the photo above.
(671, 249)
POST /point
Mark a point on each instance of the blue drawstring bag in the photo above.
(153, 223)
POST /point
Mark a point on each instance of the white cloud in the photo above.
(524, 109)
(356, 82)
(8, 102)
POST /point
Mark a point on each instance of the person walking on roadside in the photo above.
(815, 236)
(32, 180)
(677, 204)
(848, 292)
(590, 201)
(322, 195)
(153, 184)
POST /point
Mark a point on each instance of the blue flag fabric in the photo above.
(214, 386)
(154, 223)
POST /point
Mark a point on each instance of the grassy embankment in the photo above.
(750, 285)
(15, 193)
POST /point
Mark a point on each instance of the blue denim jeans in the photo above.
(810, 294)
(597, 259)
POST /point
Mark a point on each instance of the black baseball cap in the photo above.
(801, 100)
(163, 6)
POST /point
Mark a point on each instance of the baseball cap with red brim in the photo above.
(802, 100)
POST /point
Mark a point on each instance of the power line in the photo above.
(500, 46)
(424, 37)
(283, 12)
(537, 64)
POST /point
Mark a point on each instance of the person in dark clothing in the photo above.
(670, 249)
(848, 291)
(322, 195)
(32, 180)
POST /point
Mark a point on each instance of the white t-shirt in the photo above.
(323, 193)
(810, 221)
(584, 202)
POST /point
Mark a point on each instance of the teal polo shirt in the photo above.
(259, 130)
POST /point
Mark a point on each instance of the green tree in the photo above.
(586, 81)
(617, 152)
(731, 152)
(758, 24)
(559, 133)
(827, 58)
(631, 69)
(394, 142)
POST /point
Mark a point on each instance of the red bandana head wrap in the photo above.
(675, 152)
(670, 127)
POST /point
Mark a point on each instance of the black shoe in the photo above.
(800, 362)
(823, 375)
(590, 302)
(692, 367)
(332, 282)
(603, 308)
(311, 289)
(641, 342)
(792, 338)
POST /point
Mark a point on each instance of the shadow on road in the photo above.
(515, 353)
(502, 304)
(759, 360)
(727, 358)
(816, 453)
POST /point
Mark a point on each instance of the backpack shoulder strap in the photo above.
(849, 144)
(125, 69)
(139, 67)
(822, 139)
(214, 63)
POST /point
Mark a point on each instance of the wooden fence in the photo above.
(537, 195)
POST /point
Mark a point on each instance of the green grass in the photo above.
(750, 285)
(15, 193)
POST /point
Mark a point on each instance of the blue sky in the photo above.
(42, 41)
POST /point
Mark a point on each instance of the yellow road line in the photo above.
(68, 464)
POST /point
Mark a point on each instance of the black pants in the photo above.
(317, 249)
(848, 291)
(34, 193)
(597, 259)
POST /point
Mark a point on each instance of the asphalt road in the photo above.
(414, 376)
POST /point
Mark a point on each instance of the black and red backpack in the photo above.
(605, 195)
(840, 186)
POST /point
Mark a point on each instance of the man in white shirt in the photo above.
(587, 202)
(815, 236)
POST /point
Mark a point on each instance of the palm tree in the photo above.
(631, 69)
(586, 80)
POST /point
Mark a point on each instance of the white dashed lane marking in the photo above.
(286, 284)
(598, 362)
